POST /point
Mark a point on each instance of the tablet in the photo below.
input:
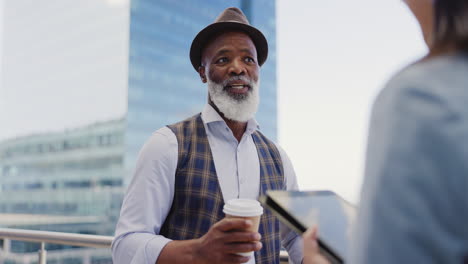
(301, 210)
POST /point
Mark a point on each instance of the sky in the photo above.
(65, 69)
(1, 49)
(333, 58)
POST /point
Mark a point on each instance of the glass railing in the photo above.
(85, 248)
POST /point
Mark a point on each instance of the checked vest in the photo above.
(198, 201)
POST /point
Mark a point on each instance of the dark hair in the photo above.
(451, 24)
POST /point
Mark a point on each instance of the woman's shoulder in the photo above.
(439, 74)
(442, 80)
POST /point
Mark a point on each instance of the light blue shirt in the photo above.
(414, 205)
(150, 193)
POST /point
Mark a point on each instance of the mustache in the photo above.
(245, 79)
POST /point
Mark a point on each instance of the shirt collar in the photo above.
(209, 115)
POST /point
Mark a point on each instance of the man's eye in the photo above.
(249, 59)
(222, 60)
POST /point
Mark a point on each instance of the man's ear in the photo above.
(201, 72)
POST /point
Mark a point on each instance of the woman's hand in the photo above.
(311, 249)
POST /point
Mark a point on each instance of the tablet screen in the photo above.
(332, 214)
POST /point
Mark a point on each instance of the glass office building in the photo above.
(68, 181)
(163, 86)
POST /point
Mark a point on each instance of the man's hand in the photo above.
(311, 249)
(224, 239)
(218, 245)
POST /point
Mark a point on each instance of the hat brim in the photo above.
(204, 36)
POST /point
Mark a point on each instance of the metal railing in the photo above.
(60, 238)
(70, 239)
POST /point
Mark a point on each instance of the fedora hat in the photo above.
(231, 19)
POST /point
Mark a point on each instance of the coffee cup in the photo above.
(246, 209)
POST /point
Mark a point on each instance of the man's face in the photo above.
(229, 66)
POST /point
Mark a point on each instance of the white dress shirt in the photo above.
(151, 191)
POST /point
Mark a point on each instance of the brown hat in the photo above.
(231, 19)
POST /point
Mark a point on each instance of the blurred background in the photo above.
(84, 83)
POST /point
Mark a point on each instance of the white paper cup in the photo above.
(246, 209)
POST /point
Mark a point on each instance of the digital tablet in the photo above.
(332, 214)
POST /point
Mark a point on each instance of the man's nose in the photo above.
(237, 68)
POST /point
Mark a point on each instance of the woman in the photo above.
(414, 205)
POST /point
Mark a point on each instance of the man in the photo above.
(172, 211)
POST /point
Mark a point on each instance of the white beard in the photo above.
(239, 109)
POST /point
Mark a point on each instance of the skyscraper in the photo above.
(68, 181)
(163, 86)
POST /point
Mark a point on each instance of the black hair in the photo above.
(451, 24)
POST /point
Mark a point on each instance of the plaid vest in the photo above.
(198, 201)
